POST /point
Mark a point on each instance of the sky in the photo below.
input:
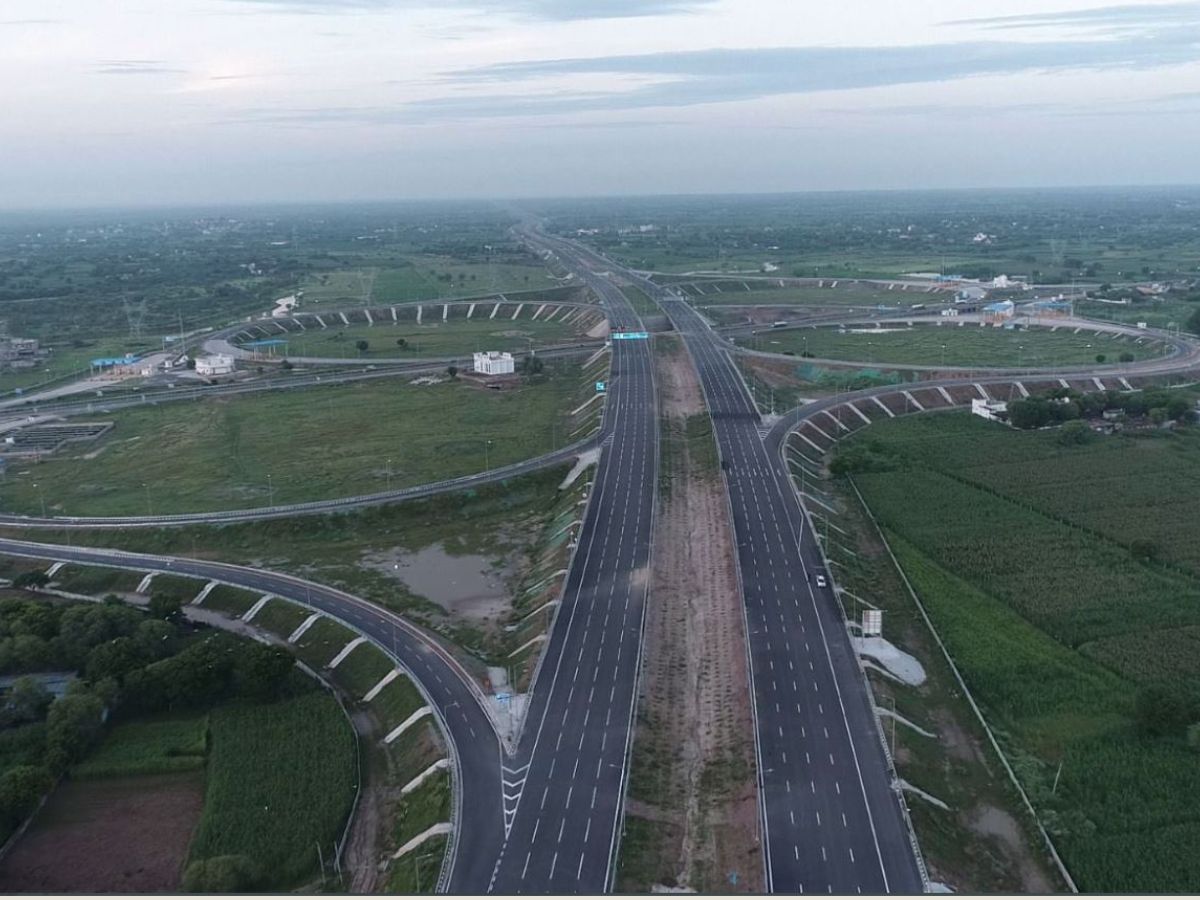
(160, 102)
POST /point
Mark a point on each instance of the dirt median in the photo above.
(693, 768)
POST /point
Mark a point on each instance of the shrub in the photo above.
(222, 875)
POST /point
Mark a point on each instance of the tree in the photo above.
(34, 579)
(165, 606)
(115, 659)
(1074, 433)
(221, 875)
(1126, 357)
(21, 787)
(452, 371)
(260, 671)
(72, 726)
(28, 700)
(1193, 322)
(362, 345)
(1100, 357)
(286, 365)
(401, 343)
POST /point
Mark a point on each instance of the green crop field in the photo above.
(296, 446)
(951, 345)
(434, 338)
(1062, 631)
(424, 278)
(148, 747)
(281, 780)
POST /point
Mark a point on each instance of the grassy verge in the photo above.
(234, 602)
(91, 580)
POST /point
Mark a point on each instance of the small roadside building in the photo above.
(494, 363)
(992, 410)
(217, 364)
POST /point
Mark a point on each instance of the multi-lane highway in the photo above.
(831, 818)
(565, 785)
(830, 815)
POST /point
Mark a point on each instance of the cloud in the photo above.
(1114, 19)
(136, 67)
(552, 10)
(697, 77)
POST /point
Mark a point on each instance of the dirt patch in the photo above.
(693, 753)
(119, 835)
(1004, 830)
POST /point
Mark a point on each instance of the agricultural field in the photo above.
(1103, 235)
(951, 345)
(407, 340)
(847, 293)
(280, 782)
(407, 280)
(298, 445)
(1050, 618)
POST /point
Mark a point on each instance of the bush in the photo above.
(21, 787)
(1161, 711)
(222, 875)
(1074, 433)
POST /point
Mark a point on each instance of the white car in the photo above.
(820, 579)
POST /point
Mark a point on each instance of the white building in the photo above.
(494, 363)
(988, 409)
(218, 364)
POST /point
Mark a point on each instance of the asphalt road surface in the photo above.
(565, 785)
(830, 814)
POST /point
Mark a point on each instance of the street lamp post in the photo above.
(270, 491)
(389, 473)
(149, 509)
(487, 464)
(42, 497)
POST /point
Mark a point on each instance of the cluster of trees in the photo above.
(129, 662)
(1058, 406)
(1168, 711)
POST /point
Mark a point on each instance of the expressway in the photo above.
(565, 785)
(451, 692)
(830, 815)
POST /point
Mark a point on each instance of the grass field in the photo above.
(281, 780)
(295, 446)
(457, 337)
(97, 580)
(734, 293)
(1057, 627)
(967, 345)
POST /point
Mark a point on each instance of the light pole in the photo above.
(42, 496)
(389, 473)
(487, 464)
(270, 491)
(146, 488)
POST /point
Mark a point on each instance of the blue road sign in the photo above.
(630, 336)
(600, 387)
